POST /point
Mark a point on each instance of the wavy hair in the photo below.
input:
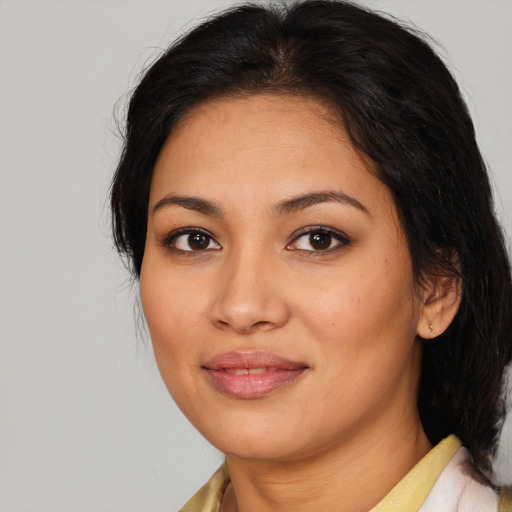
(401, 108)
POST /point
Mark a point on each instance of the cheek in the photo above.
(171, 308)
(361, 300)
(172, 316)
(364, 318)
(365, 331)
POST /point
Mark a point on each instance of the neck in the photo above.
(353, 476)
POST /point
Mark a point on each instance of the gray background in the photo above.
(85, 422)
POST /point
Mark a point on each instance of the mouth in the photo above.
(250, 375)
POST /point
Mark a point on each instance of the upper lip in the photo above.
(252, 360)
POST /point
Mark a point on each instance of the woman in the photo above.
(324, 280)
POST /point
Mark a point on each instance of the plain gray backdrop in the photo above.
(85, 423)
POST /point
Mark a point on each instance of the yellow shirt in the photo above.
(407, 496)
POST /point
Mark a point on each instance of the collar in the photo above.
(408, 495)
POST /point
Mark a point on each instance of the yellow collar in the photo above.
(408, 495)
(208, 498)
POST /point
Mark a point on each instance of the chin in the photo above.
(251, 449)
(247, 442)
(259, 442)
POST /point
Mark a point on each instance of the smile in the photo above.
(250, 375)
(249, 371)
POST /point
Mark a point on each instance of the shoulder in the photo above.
(457, 490)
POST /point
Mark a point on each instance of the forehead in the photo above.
(262, 147)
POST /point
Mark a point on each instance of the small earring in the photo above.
(431, 329)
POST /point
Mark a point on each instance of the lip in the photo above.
(251, 375)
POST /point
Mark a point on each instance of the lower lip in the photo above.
(252, 386)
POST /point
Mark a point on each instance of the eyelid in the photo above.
(343, 239)
(168, 240)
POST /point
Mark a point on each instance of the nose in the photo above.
(249, 296)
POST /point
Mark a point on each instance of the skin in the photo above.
(351, 313)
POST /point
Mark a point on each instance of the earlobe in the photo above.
(441, 297)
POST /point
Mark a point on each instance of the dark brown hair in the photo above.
(402, 108)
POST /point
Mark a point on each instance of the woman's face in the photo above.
(277, 283)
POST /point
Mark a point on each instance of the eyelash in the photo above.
(169, 241)
(342, 239)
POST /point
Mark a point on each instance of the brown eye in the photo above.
(320, 241)
(317, 240)
(198, 241)
(193, 241)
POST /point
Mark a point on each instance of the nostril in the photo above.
(245, 328)
(243, 325)
(261, 325)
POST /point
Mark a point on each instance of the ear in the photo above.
(441, 296)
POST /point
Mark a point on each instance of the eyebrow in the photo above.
(285, 207)
(190, 203)
(324, 196)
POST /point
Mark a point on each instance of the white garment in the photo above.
(457, 491)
